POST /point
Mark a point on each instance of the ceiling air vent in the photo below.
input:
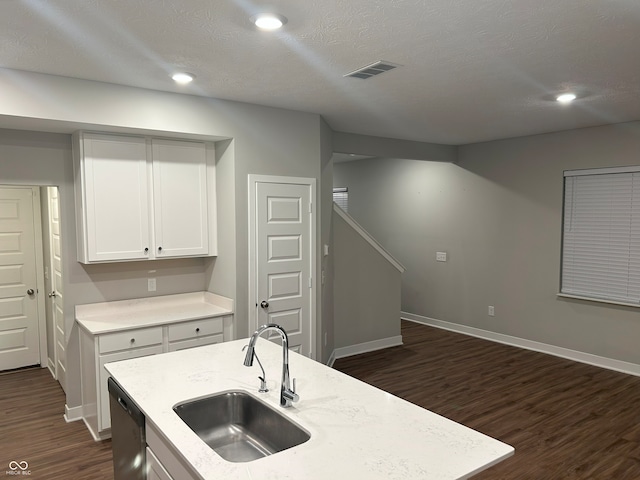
(372, 70)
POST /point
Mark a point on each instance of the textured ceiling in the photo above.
(472, 70)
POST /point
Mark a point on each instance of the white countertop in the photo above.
(357, 431)
(105, 317)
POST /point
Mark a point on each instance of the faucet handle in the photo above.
(290, 395)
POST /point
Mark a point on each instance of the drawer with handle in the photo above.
(112, 342)
(195, 329)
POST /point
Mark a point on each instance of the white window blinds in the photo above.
(341, 197)
(601, 235)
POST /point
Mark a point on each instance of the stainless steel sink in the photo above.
(239, 427)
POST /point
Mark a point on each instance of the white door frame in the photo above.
(253, 280)
(40, 291)
(42, 316)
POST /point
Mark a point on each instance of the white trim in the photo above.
(599, 300)
(576, 356)
(601, 171)
(364, 234)
(52, 368)
(253, 180)
(72, 414)
(97, 436)
(39, 259)
(365, 347)
(332, 359)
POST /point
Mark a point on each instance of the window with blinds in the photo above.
(601, 235)
(341, 197)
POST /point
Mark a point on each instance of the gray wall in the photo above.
(497, 213)
(254, 139)
(366, 290)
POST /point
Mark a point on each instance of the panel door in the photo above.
(57, 292)
(19, 329)
(117, 197)
(283, 268)
(180, 198)
(156, 470)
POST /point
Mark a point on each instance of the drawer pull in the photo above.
(198, 330)
(133, 340)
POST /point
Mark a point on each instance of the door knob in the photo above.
(53, 294)
(264, 304)
(30, 291)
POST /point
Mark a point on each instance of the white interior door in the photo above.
(19, 326)
(284, 244)
(56, 294)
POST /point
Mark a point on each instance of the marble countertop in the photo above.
(357, 431)
(105, 317)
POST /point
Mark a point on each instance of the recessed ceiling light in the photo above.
(183, 78)
(268, 21)
(566, 98)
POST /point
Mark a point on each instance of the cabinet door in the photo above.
(180, 198)
(104, 415)
(155, 470)
(116, 197)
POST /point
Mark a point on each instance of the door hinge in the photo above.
(310, 282)
(310, 207)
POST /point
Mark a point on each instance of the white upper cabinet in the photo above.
(140, 198)
(180, 198)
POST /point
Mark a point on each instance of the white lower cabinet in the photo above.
(98, 349)
(104, 414)
(155, 470)
(164, 459)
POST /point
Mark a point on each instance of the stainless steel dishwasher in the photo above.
(128, 440)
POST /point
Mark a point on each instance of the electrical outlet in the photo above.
(441, 256)
(151, 284)
(492, 311)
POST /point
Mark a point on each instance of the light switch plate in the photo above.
(441, 256)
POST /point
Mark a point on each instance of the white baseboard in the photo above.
(332, 359)
(582, 357)
(52, 368)
(365, 347)
(72, 414)
(97, 436)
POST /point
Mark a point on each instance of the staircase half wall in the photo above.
(367, 282)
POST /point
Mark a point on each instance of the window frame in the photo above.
(593, 172)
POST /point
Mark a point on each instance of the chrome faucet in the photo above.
(287, 394)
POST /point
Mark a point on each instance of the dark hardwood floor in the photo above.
(33, 430)
(566, 420)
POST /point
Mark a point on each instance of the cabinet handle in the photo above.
(198, 330)
(146, 250)
(159, 249)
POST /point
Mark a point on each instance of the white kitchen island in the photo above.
(357, 431)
